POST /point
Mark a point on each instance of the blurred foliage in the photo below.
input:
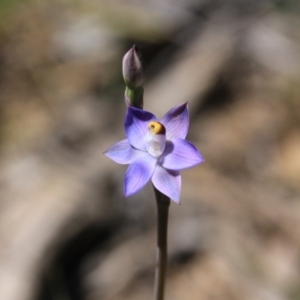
(8, 8)
(290, 6)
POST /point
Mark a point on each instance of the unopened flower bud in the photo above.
(133, 68)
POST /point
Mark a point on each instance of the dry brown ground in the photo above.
(66, 231)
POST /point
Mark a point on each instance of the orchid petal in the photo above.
(122, 152)
(176, 122)
(136, 126)
(168, 182)
(180, 154)
(139, 172)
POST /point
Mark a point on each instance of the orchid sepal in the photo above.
(155, 150)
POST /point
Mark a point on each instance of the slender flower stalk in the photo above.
(155, 150)
(163, 203)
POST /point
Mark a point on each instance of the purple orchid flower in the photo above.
(155, 150)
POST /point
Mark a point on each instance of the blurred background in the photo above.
(66, 230)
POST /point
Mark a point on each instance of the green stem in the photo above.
(163, 203)
(135, 96)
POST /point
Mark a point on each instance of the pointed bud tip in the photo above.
(133, 68)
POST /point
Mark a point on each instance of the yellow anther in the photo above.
(156, 128)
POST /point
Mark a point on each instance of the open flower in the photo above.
(155, 150)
